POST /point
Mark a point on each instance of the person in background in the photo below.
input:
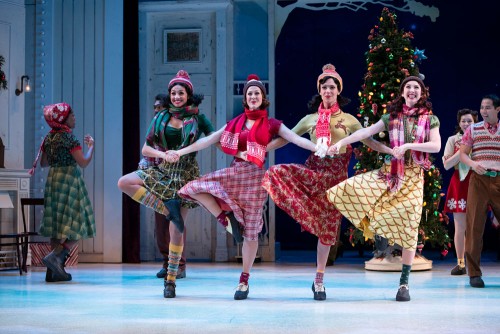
(456, 196)
(480, 150)
(68, 215)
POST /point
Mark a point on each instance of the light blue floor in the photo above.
(128, 298)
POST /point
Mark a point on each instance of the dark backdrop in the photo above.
(462, 47)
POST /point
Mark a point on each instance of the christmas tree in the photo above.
(390, 59)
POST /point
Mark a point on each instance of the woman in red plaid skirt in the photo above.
(235, 195)
(307, 183)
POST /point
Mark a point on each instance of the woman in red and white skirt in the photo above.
(307, 183)
(235, 194)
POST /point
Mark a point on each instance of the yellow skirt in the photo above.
(365, 200)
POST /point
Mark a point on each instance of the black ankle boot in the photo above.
(55, 262)
(169, 290)
(174, 213)
(49, 277)
(233, 227)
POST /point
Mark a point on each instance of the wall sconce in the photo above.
(26, 88)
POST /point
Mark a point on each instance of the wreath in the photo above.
(3, 80)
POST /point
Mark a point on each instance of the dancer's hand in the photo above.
(88, 140)
(399, 151)
(171, 156)
(242, 155)
(321, 147)
(334, 149)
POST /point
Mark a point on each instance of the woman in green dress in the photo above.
(68, 215)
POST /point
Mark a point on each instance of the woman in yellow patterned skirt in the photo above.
(388, 201)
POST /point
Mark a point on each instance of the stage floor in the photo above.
(128, 298)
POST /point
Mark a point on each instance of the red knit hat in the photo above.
(329, 71)
(253, 80)
(181, 77)
(56, 114)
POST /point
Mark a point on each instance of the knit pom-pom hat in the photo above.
(329, 71)
(253, 80)
(181, 77)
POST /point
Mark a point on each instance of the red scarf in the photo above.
(397, 138)
(323, 122)
(258, 137)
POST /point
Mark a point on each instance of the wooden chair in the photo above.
(29, 233)
(16, 239)
(13, 239)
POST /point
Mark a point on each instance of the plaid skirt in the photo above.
(365, 200)
(166, 179)
(300, 191)
(236, 188)
(456, 196)
(68, 213)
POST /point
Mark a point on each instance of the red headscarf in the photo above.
(55, 115)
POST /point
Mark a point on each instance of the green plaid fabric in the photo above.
(166, 179)
(68, 212)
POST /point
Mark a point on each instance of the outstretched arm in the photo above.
(377, 146)
(292, 137)
(202, 143)
(431, 146)
(357, 136)
(276, 143)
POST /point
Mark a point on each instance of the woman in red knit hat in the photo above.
(234, 195)
(177, 126)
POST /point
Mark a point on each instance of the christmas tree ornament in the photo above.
(419, 55)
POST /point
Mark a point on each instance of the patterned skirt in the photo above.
(456, 197)
(365, 200)
(237, 188)
(166, 179)
(300, 191)
(68, 213)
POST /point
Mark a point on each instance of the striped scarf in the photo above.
(258, 136)
(189, 117)
(323, 122)
(397, 126)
